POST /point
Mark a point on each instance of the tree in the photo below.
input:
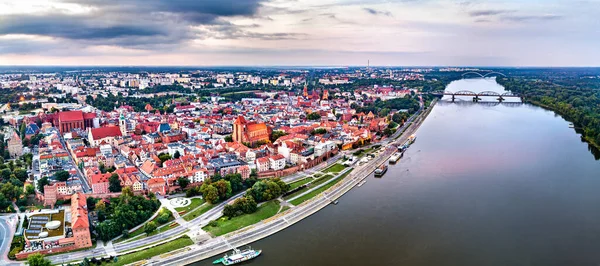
(210, 193)
(183, 182)
(164, 157)
(30, 190)
(41, 183)
(114, 183)
(125, 233)
(5, 174)
(163, 218)
(176, 155)
(224, 189)
(228, 138)
(127, 192)
(313, 116)
(149, 227)
(20, 174)
(236, 180)
(38, 259)
(61, 175)
(277, 134)
(216, 177)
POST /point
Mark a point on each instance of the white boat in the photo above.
(395, 157)
(238, 256)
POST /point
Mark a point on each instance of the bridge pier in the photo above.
(500, 99)
(452, 97)
(476, 99)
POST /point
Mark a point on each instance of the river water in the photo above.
(482, 185)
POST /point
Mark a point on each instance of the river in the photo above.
(483, 185)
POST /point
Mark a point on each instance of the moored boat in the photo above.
(238, 256)
(395, 157)
(381, 170)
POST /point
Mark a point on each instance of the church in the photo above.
(250, 132)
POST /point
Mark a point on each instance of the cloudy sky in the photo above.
(300, 32)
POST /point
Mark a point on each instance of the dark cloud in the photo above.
(377, 12)
(143, 24)
(488, 12)
(530, 18)
(72, 27)
(238, 32)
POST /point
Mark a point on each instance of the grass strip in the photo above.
(225, 226)
(151, 252)
(198, 211)
(315, 192)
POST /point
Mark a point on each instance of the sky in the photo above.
(300, 32)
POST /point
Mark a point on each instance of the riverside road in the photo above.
(193, 225)
(279, 222)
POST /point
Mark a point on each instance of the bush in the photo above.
(163, 218)
(213, 223)
(240, 206)
(125, 233)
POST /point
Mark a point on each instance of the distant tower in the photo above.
(325, 95)
(122, 125)
(305, 92)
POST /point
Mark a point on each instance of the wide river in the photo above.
(483, 185)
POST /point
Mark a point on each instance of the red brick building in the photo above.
(68, 120)
(157, 185)
(80, 222)
(250, 132)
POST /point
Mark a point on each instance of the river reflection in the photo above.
(505, 184)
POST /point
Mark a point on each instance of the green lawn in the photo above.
(300, 183)
(225, 226)
(197, 212)
(296, 193)
(153, 251)
(140, 230)
(336, 168)
(319, 190)
(195, 203)
(321, 180)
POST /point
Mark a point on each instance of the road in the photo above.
(193, 225)
(7, 227)
(279, 222)
(298, 213)
(84, 184)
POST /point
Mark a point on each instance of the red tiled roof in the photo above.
(79, 218)
(156, 181)
(100, 178)
(89, 115)
(103, 132)
(70, 116)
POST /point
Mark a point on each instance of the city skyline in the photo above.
(269, 33)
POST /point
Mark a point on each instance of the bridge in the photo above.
(476, 95)
(482, 75)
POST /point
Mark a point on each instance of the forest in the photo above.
(572, 93)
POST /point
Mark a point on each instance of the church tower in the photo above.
(122, 125)
(305, 92)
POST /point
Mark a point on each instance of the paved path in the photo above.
(321, 185)
(279, 222)
(7, 231)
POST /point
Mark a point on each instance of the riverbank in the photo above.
(586, 138)
(219, 245)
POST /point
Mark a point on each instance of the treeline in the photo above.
(383, 108)
(262, 190)
(164, 88)
(109, 103)
(575, 97)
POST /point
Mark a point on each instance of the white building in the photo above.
(277, 162)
